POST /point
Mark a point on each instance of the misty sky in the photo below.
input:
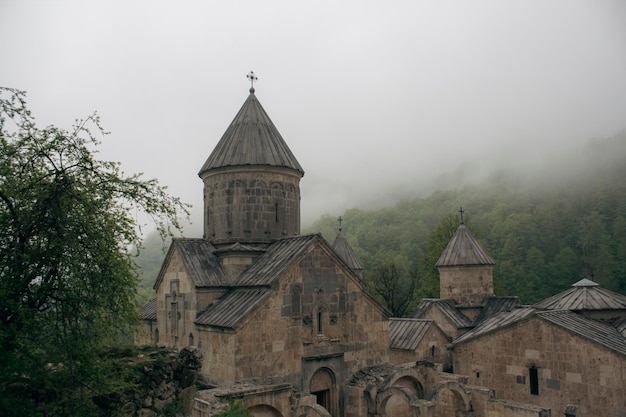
(369, 95)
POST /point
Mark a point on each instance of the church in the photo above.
(285, 324)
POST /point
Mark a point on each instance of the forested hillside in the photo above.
(547, 226)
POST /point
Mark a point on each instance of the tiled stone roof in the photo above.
(496, 322)
(592, 330)
(346, 253)
(407, 334)
(251, 139)
(584, 295)
(149, 310)
(447, 308)
(463, 250)
(199, 261)
(278, 256)
(231, 309)
(495, 305)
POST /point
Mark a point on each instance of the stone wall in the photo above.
(570, 370)
(247, 205)
(166, 385)
(466, 285)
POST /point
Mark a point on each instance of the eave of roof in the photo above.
(251, 139)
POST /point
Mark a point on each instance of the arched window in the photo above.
(320, 322)
(191, 339)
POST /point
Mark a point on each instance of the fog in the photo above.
(375, 99)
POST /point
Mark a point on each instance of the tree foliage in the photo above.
(394, 281)
(67, 280)
(546, 228)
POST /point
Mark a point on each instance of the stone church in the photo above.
(285, 324)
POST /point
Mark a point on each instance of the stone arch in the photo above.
(258, 184)
(276, 185)
(323, 384)
(449, 397)
(396, 401)
(314, 410)
(263, 410)
(412, 384)
(408, 378)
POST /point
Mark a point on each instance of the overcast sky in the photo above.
(369, 95)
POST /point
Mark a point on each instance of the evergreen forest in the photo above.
(547, 225)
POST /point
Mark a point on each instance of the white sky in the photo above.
(369, 95)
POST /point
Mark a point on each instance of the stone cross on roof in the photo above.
(252, 77)
(461, 211)
(340, 220)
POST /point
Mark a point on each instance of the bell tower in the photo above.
(465, 269)
(251, 181)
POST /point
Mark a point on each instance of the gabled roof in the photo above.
(198, 259)
(500, 320)
(407, 334)
(346, 253)
(620, 325)
(592, 330)
(149, 310)
(254, 284)
(463, 249)
(276, 259)
(232, 308)
(495, 305)
(251, 139)
(584, 295)
(447, 308)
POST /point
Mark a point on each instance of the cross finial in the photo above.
(340, 220)
(461, 211)
(252, 77)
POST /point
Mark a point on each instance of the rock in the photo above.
(146, 412)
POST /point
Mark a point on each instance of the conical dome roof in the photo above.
(584, 295)
(464, 249)
(346, 253)
(251, 139)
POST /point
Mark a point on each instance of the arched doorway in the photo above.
(323, 385)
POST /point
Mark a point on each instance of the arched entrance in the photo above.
(323, 385)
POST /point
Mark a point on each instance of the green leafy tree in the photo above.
(67, 280)
(437, 241)
(394, 281)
